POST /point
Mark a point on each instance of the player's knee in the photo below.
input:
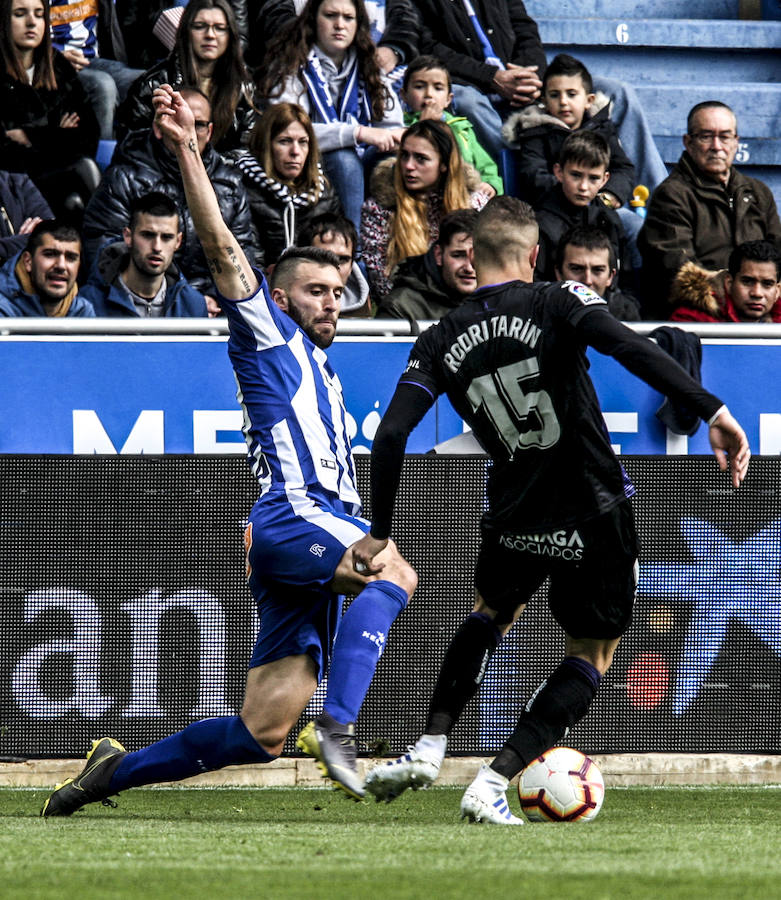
(399, 571)
(598, 653)
(270, 735)
(403, 575)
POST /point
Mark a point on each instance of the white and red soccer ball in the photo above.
(562, 785)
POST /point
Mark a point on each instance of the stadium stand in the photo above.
(676, 54)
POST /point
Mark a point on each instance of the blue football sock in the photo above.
(358, 646)
(200, 747)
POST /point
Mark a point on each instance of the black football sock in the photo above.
(558, 703)
(462, 672)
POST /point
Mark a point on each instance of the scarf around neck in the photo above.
(352, 108)
(253, 171)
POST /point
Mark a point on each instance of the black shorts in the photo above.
(592, 568)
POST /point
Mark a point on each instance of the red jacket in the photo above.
(700, 296)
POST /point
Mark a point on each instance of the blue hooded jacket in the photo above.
(15, 301)
(109, 299)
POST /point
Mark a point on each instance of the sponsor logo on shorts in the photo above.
(563, 544)
(328, 464)
(317, 550)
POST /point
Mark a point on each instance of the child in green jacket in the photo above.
(427, 94)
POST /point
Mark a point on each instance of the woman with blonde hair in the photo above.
(410, 198)
(284, 179)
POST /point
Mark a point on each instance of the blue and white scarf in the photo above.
(489, 54)
(354, 106)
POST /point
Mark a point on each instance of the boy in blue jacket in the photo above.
(137, 276)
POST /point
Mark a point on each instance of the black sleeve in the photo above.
(646, 360)
(527, 49)
(408, 405)
(402, 27)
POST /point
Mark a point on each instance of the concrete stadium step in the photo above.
(635, 9)
(652, 65)
(758, 152)
(760, 158)
(691, 33)
(757, 106)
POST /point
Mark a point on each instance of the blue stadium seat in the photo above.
(104, 154)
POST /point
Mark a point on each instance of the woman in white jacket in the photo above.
(324, 61)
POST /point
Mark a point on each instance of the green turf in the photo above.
(274, 843)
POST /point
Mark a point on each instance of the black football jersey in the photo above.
(512, 361)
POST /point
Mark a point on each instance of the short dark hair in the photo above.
(754, 251)
(504, 223)
(587, 148)
(460, 221)
(328, 223)
(707, 104)
(424, 63)
(59, 229)
(291, 259)
(589, 237)
(564, 64)
(155, 203)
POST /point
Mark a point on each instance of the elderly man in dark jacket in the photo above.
(144, 164)
(705, 207)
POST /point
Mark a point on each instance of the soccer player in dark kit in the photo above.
(512, 360)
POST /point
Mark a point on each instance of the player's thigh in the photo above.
(276, 694)
(396, 569)
(592, 593)
(298, 541)
(506, 577)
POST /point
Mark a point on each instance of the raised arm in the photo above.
(230, 269)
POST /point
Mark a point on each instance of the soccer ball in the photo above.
(562, 785)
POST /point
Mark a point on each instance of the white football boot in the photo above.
(416, 769)
(485, 800)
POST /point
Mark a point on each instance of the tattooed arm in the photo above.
(230, 269)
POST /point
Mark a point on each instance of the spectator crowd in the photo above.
(374, 130)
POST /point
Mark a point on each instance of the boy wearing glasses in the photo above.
(704, 208)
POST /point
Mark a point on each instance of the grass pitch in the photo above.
(668, 843)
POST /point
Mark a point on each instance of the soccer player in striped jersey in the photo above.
(300, 531)
(512, 360)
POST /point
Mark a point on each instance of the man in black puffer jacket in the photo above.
(143, 164)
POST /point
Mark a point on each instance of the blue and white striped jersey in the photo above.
(295, 422)
(74, 25)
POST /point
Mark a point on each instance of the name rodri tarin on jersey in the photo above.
(513, 327)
